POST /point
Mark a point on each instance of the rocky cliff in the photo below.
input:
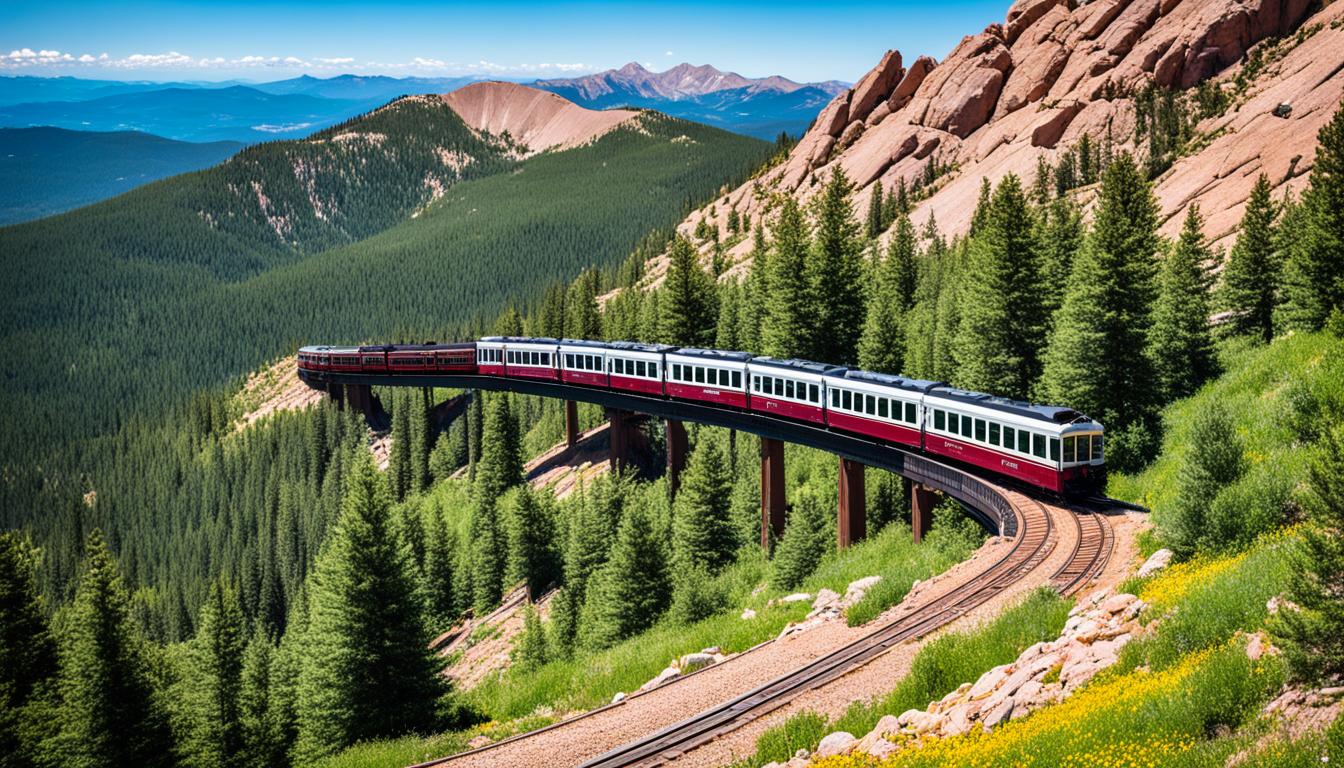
(1031, 87)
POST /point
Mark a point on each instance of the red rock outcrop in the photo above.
(1056, 70)
(537, 119)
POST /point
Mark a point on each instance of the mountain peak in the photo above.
(683, 81)
(539, 120)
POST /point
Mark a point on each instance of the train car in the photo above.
(529, 358)
(455, 358)
(877, 405)
(635, 367)
(708, 375)
(795, 389)
(407, 359)
(343, 359)
(490, 356)
(583, 362)
(307, 358)
(1016, 439)
(373, 358)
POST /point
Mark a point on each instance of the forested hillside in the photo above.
(179, 285)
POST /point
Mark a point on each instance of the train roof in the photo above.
(889, 380)
(584, 343)
(794, 364)
(713, 354)
(1052, 413)
(521, 339)
(639, 346)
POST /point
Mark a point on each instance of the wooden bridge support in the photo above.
(571, 423)
(676, 452)
(851, 512)
(772, 490)
(922, 502)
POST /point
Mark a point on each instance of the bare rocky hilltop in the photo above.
(537, 120)
(1056, 70)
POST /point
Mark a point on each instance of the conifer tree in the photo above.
(399, 454)
(633, 588)
(488, 548)
(282, 701)
(366, 671)
(440, 573)
(113, 712)
(902, 265)
(475, 416)
(260, 745)
(786, 330)
(1315, 274)
(1002, 331)
(982, 206)
(730, 307)
(28, 655)
(1061, 227)
(702, 532)
(805, 542)
(688, 305)
(531, 650)
(1180, 341)
(883, 343)
(1311, 631)
(214, 686)
(754, 294)
(533, 558)
(501, 463)
(420, 435)
(1097, 357)
(1250, 289)
(1214, 461)
(551, 315)
(874, 219)
(583, 320)
(835, 274)
(585, 551)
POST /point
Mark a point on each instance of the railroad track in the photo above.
(1033, 543)
(1091, 552)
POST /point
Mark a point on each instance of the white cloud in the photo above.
(668, 53)
(336, 60)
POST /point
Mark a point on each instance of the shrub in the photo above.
(806, 540)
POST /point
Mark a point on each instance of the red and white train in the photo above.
(1054, 448)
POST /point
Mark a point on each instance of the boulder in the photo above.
(618, 698)
(835, 116)
(914, 77)
(837, 743)
(1048, 131)
(876, 86)
(881, 748)
(748, 614)
(1155, 562)
(1024, 13)
(796, 597)
(693, 661)
(998, 712)
(824, 598)
(988, 682)
(850, 135)
(667, 674)
(960, 95)
(1117, 603)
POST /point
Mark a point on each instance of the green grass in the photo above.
(938, 668)
(408, 750)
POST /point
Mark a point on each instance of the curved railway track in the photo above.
(1091, 552)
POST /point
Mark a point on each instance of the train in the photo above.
(1052, 448)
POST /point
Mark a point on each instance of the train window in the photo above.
(835, 398)
(737, 379)
(1069, 450)
(993, 433)
(846, 400)
(870, 405)
(569, 361)
(965, 425)
(1054, 449)
(1038, 446)
(1009, 436)
(642, 368)
(653, 370)
(814, 393)
(1023, 441)
(980, 430)
(882, 406)
(910, 414)
(939, 420)
(699, 375)
(788, 388)
(1096, 447)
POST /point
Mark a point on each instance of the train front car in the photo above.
(795, 389)
(635, 367)
(1015, 439)
(490, 356)
(531, 358)
(878, 405)
(583, 362)
(708, 376)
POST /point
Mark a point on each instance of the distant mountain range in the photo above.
(759, 107)
(49, 170)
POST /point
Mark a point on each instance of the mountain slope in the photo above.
(235, 113)
(48, 170)
(535, 119)
(1030, 89)
(757, 107)
(181, 284)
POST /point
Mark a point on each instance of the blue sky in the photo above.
(267, 41)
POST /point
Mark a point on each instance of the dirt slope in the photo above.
(1054, 70)
(539, 120)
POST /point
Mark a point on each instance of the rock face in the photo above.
(536, 119)
(1097, 628)
(1029, 88)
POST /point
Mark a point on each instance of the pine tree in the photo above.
(214, 685)
(835, 274)
(883, 343)
(1311, 632)
(1250, 289)
(1180, 342)
(785, 331)
(702, 532)
(874, 219)
(730, 306)
(260, 745)
(583, 320)
(488, 549)
(551, 315)
(1097, 357)
(586, 550)
(805, 542)
(366, 671)
(755, 293)
(420, 435)
(531, 650)
(113, 713)
(1061, 226)
(399, 454)
(533, 558)
(980, 216)
(441, 546)
(1214, 461)
(1315, 274)
(28, 655)
(688, 306)
(475, 416)
(632, 589)
(1002, 331)
(902, 267)
(501, 463)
